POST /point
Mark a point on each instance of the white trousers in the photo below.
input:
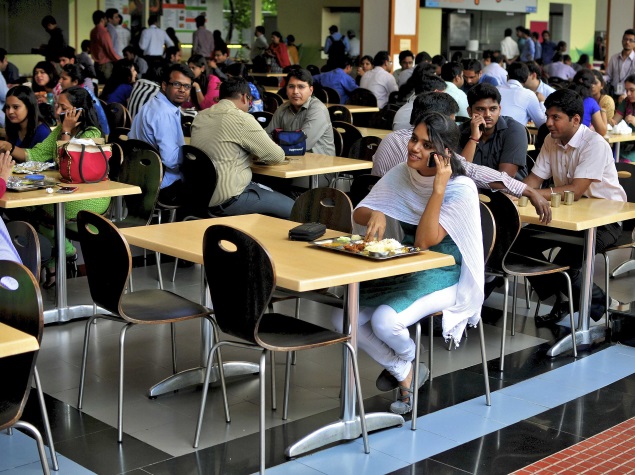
(383, 332)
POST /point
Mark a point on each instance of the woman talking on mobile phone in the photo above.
(438, 209)
(73, 123)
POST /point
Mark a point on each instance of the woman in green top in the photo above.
(74, 123)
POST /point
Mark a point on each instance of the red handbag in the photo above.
(81, 163)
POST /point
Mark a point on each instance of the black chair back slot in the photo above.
(199, 179)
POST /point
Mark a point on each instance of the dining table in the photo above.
(15, 342)
(584, 215)
(616, 140)
(370, 131)
(300, 267)
(355, 109)
(13, 199)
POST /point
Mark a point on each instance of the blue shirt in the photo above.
(590, 107)
(158, 123)
(121, 94)
(3, 96)
(336, 36)
(528, 50)
(340, 81)
(101, 114)
(548, 49)
(41, 132)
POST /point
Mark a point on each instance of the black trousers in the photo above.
(570, 254)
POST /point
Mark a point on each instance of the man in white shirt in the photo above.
(492, 62)
(406, 61)
(519, 103)
(560, 69)
(353, 44)
(452, 74)
(153, 39)
(622, 64)
(535, 84)
(509, 47)
(579, 160)
(379, 80)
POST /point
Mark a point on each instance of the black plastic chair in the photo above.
(362, 97)
(186, 125)
(324, 205)
(114, 164)
(364, 148)
(108, 265)
(321, 94)
(21, 308)
(25, 240)
(117, 116)
(240, 295)
(282, 92)
(333, 95)
(338, 142)
(360, 187)
(350, 134)
(340, 114)
(263, 118)
(313, 69)
(383, 119)
(118, 135)
(270, 103)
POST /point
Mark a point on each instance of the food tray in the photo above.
(32, 167)
(18, 184)
(332, 244)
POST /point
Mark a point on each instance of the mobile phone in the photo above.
(66, 189)
(63, 114)
(481, 127)
(431, 162)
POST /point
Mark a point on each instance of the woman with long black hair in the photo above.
(205, 88)
(23, 123)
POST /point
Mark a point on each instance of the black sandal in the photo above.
(49, 280)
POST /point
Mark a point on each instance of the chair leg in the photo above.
(122, 339)
(159, 274)
(527, 293)
(82, 373)
(274, 399)
(45, 419)
(606, 286)
(431, 342)
(505, 302)
(173, 336)
(514, 302)
(415, 376)
(40, 444)
(571, 317)
(360, 397)
(221, 370)
(294, 355)
(481, 335)
(287, 377)
(263, 363)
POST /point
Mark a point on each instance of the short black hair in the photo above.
(487, 54)
(457, 57)
(85, 45)
(630, 78)
(380, 58)
(111, 12)
(430, 83)
(300, 74)
(438, 60)
(129, 49)
(48, 20)
(472, 65)
(3, 54)
(582, 83)
(534, 67)
(630, 31)
(423, 57)
(333, 29)
(277, 34)
(153, 20)
(404, 54)
(200, 20)
(483, 91)
(565, 58)
(568, 101)
(67, 52)
(233, 88)
(178, 67)
(98, 15)
(440, 102)
(171, 51)
(261, 29)
(518, 71)
(557, 56)
(290, 39)
(451, 70)
(508, 32)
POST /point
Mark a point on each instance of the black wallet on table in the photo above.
(307, 232)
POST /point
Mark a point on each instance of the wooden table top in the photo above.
(269, 75)
(103, 189)
(583, 214)
(271, 89)
(311, 164)
(355, 109)
(299, 265)
(15, 342)
(369, 131)
(615, 138)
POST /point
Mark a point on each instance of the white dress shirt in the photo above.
(509, 48)
(561, 70)
(520, 104)
(497, 71)
(152, 41)
(381, 83)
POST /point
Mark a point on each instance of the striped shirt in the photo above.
(393, 150)
(142, 91)
(231, 138)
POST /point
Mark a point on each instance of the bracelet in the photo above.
(551, 188)
(198, 91)
(474, 140)
(66, 133)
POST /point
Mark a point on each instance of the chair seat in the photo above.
(519, 265)
(159, 306)
(322, 296)
(279, 332)
(624, 242)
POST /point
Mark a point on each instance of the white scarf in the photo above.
(403, 195)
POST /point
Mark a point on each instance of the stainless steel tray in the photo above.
(332, 244)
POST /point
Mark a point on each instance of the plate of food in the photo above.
(15, 183)
(377, 250)
(32, 167)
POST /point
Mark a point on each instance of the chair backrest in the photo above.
(107, 258)
(199, 180)
(360, 187)
(350, 134)
(118, 135)
(338, 142)
(507, 222)
(263, 118)
(275, 96)
(393, 97)
(20, 308)
(333, 95)
(313, 69)
(241, 292)
(364, 148)
(142, 168)
(282, 92)
(362, 97)
(488, 228)
(328, 206)
(383, 119)
(186, 125)
(24, 239)
(320, 93)
(269, 103)
(340, 114)
(626, 176)
(117, 115)
(114, 164)
(132, 145)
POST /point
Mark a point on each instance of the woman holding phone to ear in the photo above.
(73, 123)
(438, 209)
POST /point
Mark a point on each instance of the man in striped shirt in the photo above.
(232, 137)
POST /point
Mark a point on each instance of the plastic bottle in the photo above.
(50, 99)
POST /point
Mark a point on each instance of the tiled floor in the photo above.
(159, 433)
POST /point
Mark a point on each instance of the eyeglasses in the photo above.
(180, 85)
(629, 40)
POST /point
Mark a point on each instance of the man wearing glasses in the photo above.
(158, 123)
(622, 64)
(232, 137)
(378, 80)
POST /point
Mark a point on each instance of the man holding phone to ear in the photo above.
(491, 139)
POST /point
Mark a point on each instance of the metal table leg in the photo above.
(585, 335)
(349, 426)
(616, 152)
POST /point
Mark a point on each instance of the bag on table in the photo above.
(293, 142)
(80, 163)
